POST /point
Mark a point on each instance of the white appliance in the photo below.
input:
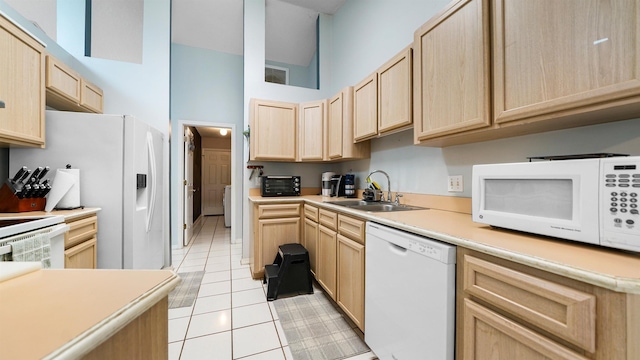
(19, 228)
(120, 162)
(409, 295)
(586, 200)
(226, 204)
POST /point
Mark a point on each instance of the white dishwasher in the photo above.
(409, 295)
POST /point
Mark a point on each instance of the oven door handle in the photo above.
(58, 230)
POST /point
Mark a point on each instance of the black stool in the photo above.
(290, 272)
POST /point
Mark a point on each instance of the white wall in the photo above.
(206, 89)
(424, 170)
(116, 29)
(42, 12)
(142, 89)
(33, 10)
(367, 33)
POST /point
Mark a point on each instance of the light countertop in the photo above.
(608, 268)
(69, 215)
(67, 313)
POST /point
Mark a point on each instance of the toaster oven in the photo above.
(280, 185)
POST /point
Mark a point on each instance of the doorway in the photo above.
(216, 174)
(207, 167)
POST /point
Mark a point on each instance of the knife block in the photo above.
(9, 202)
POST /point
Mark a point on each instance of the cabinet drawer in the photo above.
(563, 311)
(278, 211)
(81, 230)
(311, 212)
(351, 228)
(328, 219)
(492, 336)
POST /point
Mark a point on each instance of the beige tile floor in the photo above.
(231, 318)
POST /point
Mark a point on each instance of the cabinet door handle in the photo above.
(1, 104)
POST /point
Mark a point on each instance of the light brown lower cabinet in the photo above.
(82, 256)
(310, 235)
(336, 247)
(310, 242)
(145, 337)
(350, 295)
(326, 266)
(81, 243)
(274, 225)
(507, 310)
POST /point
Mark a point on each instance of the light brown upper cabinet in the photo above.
(313, 122)
(395, 79)
(452, 71)
(383, 100)
(91, 97)
(365, 108)
(340, 127)
(547, 73)
(22, 97)
(67, 90)
(566, 61)
(274, 130)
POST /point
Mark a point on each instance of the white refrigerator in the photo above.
(121, 171)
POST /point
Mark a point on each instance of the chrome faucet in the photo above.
(388, 182)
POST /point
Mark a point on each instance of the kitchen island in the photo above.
(95, 314)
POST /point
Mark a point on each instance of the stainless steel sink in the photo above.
(374, 206)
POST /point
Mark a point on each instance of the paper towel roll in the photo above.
(62, 185)
(71, 199)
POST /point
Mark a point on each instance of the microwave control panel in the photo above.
(620, 202)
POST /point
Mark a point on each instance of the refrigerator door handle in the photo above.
(152, 183)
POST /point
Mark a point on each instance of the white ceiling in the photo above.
(218, 25)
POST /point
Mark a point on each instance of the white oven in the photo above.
(21, 237)
(587, 200)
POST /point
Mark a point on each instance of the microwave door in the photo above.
(552, 200)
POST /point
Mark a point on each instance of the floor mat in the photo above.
(316, 330)
(186, 292)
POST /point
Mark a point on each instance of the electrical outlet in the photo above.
(454, 184)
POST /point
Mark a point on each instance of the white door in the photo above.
(216, 173)
(188, 186)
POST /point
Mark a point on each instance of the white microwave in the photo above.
(594, 201)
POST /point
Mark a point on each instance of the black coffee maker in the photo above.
(337, 185)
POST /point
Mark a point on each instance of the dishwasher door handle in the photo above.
(397, 249)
